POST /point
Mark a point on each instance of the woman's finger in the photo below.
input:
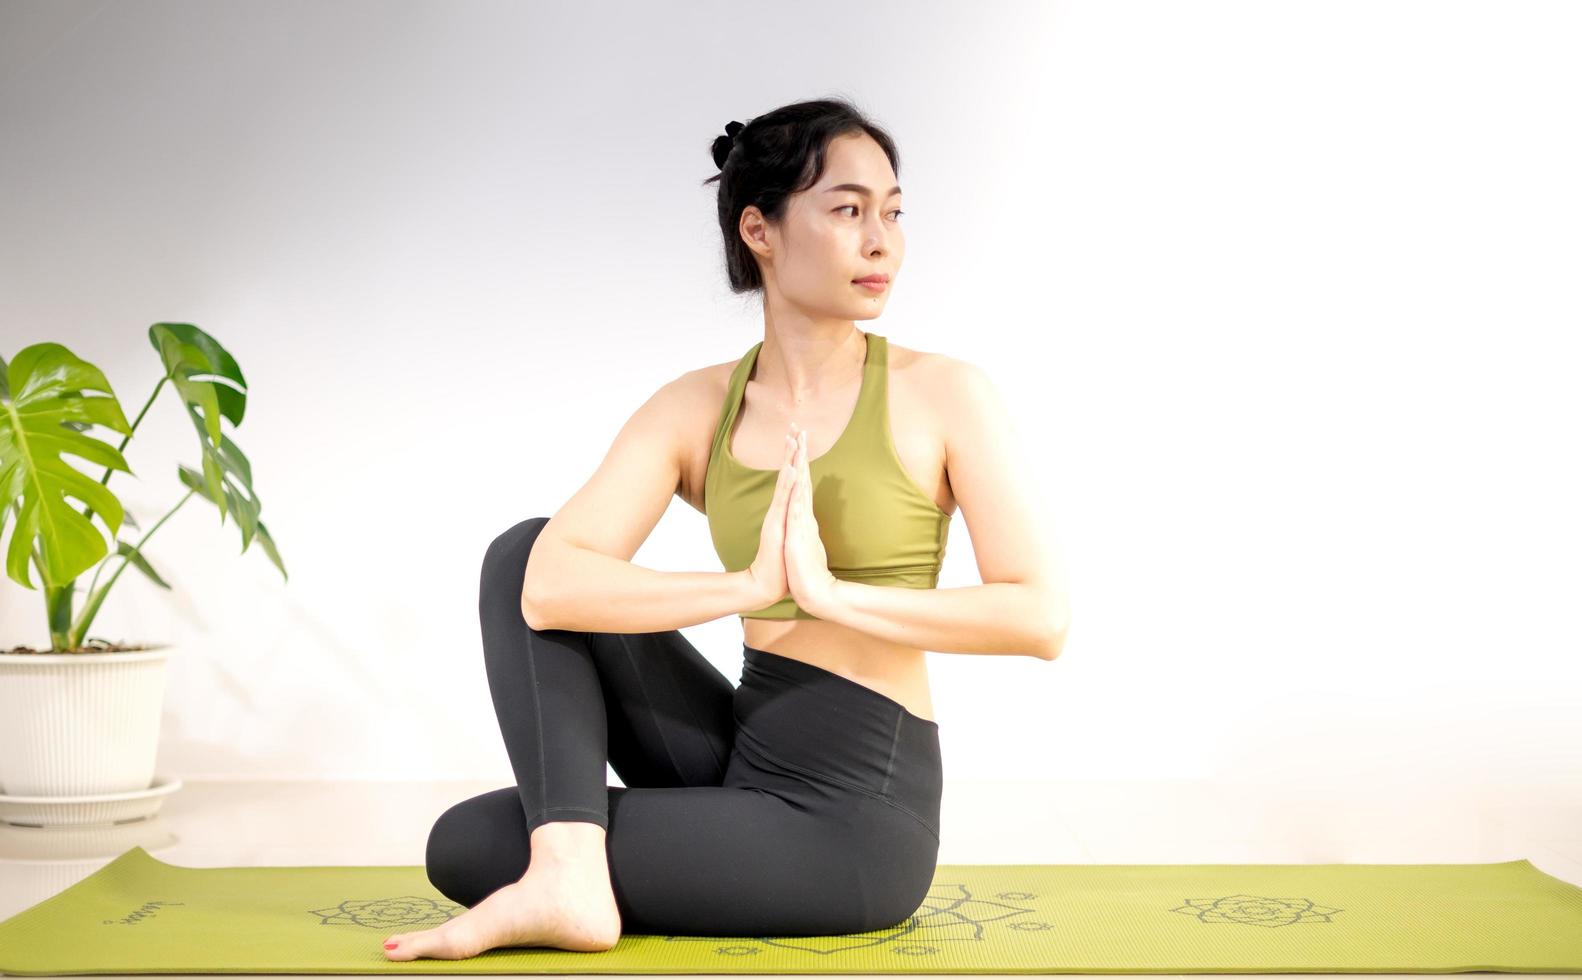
(789, 457)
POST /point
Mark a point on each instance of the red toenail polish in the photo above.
(391, 945)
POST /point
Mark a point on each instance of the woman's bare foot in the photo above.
(563, 905)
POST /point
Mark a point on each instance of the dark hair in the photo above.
(772, 156)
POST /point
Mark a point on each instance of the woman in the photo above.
(806, 800)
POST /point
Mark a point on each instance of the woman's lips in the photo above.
(874, 285)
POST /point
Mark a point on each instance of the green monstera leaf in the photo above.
(195, 363)
(44, 412)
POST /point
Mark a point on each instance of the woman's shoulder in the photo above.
(706, 385)
(926, 374)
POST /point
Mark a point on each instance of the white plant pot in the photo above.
(80, 723)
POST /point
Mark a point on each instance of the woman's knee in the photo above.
(448, 859)
(472, 850)
(506, 556)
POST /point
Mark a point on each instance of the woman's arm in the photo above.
(996, 617)
(582, 589)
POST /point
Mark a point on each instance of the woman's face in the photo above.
(836, 232)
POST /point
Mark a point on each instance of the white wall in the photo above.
(1284, 298)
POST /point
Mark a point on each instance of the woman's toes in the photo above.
(437, 942)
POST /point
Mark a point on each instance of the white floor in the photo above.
(219, 823)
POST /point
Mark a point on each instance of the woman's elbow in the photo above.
(1055, 637)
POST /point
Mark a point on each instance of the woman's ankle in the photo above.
(567, 843)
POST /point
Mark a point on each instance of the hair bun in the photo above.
(723, 144)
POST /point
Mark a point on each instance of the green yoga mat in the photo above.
(138, 914)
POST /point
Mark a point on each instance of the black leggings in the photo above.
(800, 803)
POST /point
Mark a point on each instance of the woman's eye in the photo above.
(897, 212)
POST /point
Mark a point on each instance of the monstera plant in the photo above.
(49, 400)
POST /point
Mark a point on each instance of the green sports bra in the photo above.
(877, 525)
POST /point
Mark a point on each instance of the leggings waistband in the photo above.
(802, 721)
